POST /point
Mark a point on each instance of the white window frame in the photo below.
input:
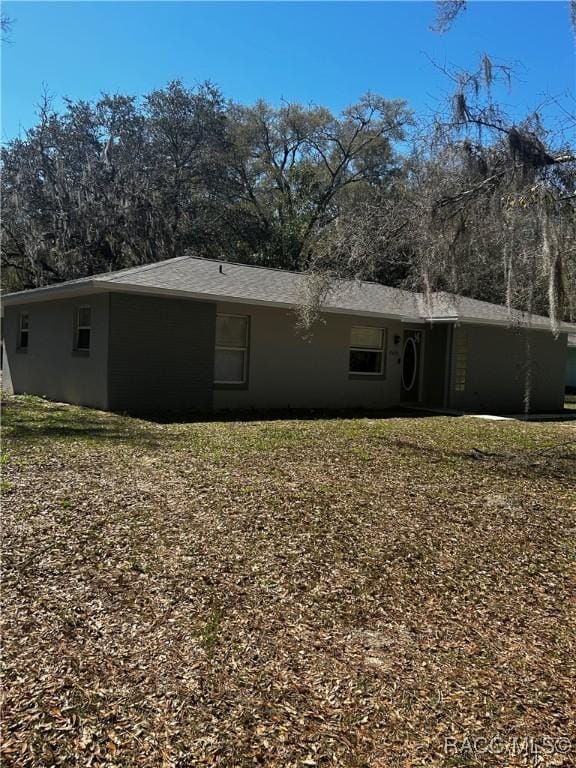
(460, 360)
(78, 328)
(21, 330)
(379, 350)
(243, 349)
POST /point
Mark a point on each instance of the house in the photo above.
(193, 334)
(571, 365)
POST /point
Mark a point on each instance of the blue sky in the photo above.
(322, 52)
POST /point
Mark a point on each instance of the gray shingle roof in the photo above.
(240, 282)
(446, 305)
(226, 281)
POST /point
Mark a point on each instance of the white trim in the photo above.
(98, 286)
(53, 292)
(420, 349)
(514, 324)
(105, 286)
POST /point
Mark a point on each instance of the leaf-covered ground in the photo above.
(344, 592)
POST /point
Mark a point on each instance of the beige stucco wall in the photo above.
(496, 367)
(50, 367)
(286, 371)
(162, 355)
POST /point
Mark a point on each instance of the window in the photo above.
(367, 351)
(461, 360)
(23, 330)
(83, 329)
(231, 358)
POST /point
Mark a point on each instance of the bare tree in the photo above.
(447, 11)
(486, 208)
(291, 169)
(5, 24)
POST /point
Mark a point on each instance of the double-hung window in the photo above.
(83, 330)
(23, 330)
(367, 351)
(231, 356)
(461, 359)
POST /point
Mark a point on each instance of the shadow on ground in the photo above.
(25, 418)
(284, 414)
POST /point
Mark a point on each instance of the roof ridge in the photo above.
(243, 264)
(292, 272)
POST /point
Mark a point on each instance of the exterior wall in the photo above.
(152, 354)
(571, 370)
(286, 371)
(50, 366)
(495, 366)
(161, 354)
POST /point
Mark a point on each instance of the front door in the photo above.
(411, 364)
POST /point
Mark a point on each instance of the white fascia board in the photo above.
(534, 325)
(542, 324)
(53, 292)
(445, 319)
(72, 290)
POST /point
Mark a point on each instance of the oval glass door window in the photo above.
(409, 364)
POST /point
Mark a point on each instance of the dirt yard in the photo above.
(308, 592)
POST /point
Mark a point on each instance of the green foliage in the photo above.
(123, 181)
(482, 205)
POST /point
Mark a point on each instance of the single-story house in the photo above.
(190, 334)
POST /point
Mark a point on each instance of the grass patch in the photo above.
(328, 591)
(210, 633)
(32, 418)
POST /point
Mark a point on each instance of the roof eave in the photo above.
(533, 324)
(52, 292)
(94, 285)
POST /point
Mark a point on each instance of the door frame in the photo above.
(420, 365)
